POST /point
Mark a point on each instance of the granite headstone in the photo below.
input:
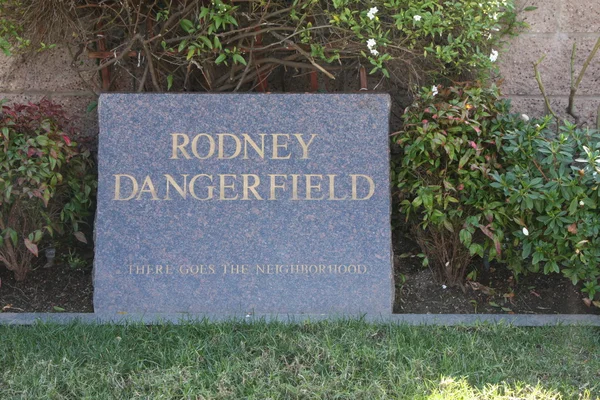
(236, 204)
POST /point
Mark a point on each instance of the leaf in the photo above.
(91, 107)
(573, 228)
(587, 301)
(13, 236)
(596, 303)
(221, 58)
(169, 82)
(530, 8)
(206, 41)
(491, 303)
(526, 250)
(182, 46)
(81, 237)
(187, 25)
(190, 53)
(59, 309)
(239, 58)
(32, 247)
(42, 140)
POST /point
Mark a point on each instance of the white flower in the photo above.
(371, 43)
(434, 90)
(372, 12)
(581, 203)
(525, 231)
(417, 17)
(525, 117)
(444, 286)
(493, 56)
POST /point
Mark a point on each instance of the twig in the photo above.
(538, 78)
(143, 80)
(119, 56)
(304, 53)
(575, 84)
(151, 67)
(248, 63)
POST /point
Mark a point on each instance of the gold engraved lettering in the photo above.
(210, 189)
(250, 187)
(238, 146)
(275, 186)
(277, 146)
(303, 144)
(148, 187)
(259, 150)
(332, 188)
(182, 190)
(235, 269)
(295, 186)
(223, 186)
(355, 185)
(134, 187)
(310, 186)
(179, 146)
(211, 146)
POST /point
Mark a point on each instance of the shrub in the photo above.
(551, 185)
(449, 152)
(46, 183)
(179, 43)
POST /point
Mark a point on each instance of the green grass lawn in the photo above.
(321, 360)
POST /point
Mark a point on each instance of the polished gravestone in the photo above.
(241, 204)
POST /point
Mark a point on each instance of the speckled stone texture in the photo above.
(308, 231)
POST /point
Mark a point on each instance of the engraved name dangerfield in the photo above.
(205, 186)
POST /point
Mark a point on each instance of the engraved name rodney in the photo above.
(205, 186)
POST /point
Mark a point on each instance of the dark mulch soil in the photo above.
(56, 289)
(417, 292)
(63, 289)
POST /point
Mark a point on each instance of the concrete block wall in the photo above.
(554, 26)
(49, 75)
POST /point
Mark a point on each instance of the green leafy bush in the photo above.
(551, 184)
(46, 181)
(449, 153)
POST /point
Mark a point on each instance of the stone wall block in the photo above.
(542, 20)
(48, 70)
(586, 108)
(76, 106)
(580, 16)
(517, 64)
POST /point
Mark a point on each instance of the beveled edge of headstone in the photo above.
(524, 320)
